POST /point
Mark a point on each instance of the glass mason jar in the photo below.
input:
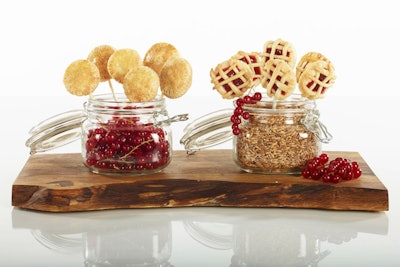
(126, 137)
(279, 136)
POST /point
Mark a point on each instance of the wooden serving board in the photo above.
(61, 183)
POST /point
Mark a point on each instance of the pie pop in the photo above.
(141, 84)
(253, 60)
(310, 57)
(158, 54)
(81, 77)
(163, 68)
(99, 56)
(232, 78)
(121, 61)
(279, 49)
(279, 79)
(316, 79)
(175, 77)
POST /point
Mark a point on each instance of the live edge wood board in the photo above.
(61, 183)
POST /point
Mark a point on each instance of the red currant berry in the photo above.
(257, 96)
(238, 111)
(356, 173)
(305, 173)
(247, 99)
(236, 131)
(316, 174)
(326, 178)
(323, 158)
(239, 102)
(335, 179)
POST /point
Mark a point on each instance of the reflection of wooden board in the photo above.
(61, 183)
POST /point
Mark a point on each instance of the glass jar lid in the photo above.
(56, 131)
(209, 130)
(65, 128)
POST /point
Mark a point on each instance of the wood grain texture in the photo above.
(61, 183)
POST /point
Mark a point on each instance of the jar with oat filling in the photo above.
(279, 136)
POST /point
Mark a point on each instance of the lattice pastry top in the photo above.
(232, 78)
(279, 79)
(305, 60)
(316, 79)
(279, 49)
(253, 60)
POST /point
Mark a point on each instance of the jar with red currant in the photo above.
(272, 136)
(123, 137)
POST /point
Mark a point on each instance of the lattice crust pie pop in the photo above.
(310, 57)
(279, 79)
(279, 49)
(316, 79)
(253, 60)
(232, 78)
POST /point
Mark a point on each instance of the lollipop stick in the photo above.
(274, 103)
(112, 90)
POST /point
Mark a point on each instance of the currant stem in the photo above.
(135, 148)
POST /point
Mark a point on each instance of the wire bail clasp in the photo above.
(312, 123)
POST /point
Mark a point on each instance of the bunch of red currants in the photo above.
(334, 171)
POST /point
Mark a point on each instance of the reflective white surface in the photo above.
(40, 38)
(205, 237)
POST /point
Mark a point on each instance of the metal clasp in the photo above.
(312, 123)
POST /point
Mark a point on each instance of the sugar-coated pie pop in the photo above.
(99, 56)
(279, 79)
(141, 84)
(81, 77)
(158, 54)
(254, 62)
(121, 61)
(279, 49)
(232, 78)
(316, 79)
(306, 59)
(176, 77)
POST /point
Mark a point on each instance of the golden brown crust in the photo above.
(176, 77)
(81, 77)
(316, 79)
(121, 61)
(279, 79)
(158, 54)
(253, 60)
(141, 84)
(306, 59)
(279, 49)
(99, 56)
(232, 78)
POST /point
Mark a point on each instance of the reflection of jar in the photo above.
(279, 136)
(276, 244)
(139, 245)
(126, 137)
